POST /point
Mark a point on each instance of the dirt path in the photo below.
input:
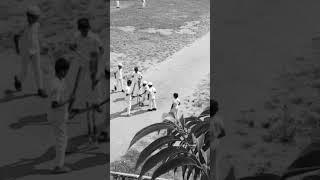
(181, 73)
(254, 41)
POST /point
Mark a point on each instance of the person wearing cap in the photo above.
(118, 75)
(136, 81)
(27, 45)
(143, 92)
(152, 97)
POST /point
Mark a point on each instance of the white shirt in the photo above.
(144, 90)
(29, 42)
(152, 92)
(119, 73)
(175, 103)
(58, 92)
(128, 91)
(136, 76)
(88, 44)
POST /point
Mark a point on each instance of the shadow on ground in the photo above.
(27, 167)
(133, 108)
(39, 119)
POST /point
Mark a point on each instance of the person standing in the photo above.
(128, 92)
(83, 44)
(136, 81)
(58, 114)
(27, 45)
(118, 75)
(152, 97)
(175, 105)
(144, 90)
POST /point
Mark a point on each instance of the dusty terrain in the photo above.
(263, 61)
(27, 139)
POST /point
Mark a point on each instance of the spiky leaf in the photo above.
(206, 112)
(178, 162)
(306, 162)
(150, 129)
(161, 156)
(154, 146)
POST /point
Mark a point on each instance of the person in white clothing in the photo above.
(27, 45)
(58, 113)
(118, 3)
(175, 105)
(136, 81)
(84, 43)
(152, 97)
(143, 3)
(128, 92)
(118, 75)
(143, 93)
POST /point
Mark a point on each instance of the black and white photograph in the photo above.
(266, 83)
(159, 89)
(53, 89)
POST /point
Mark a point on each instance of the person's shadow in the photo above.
(39, 119)
(121, 113)
(34, 120)
(27, 167)
(118, 99)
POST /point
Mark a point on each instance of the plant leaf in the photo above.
(306, 162)
(191, 168)
(182, 121)
(178, 162)
(184, 169)
(150, 129)
(196, 173)
(206, 112)
(162, 155)
(154, 146)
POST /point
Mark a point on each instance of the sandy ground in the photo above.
(27, 139)
(167, 77)
(256, 42)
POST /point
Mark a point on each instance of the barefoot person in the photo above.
(58, 113)
(152, 97)
(27, 45)
(175, 105)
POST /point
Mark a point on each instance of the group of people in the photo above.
(138, 88)
(135, 88)
(89, 49)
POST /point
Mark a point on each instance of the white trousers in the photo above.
(35, 62)
(129, 103)
(58, 121)
(119, 84)
(152, 103)
(135, 89)
(118, 3)
(143, 3)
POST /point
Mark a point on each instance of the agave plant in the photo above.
(184, 145)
